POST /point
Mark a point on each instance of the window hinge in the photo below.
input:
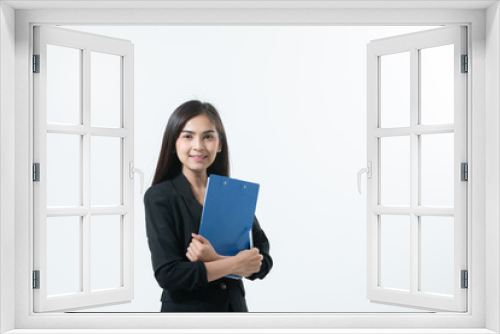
(36, 279)
(36, 172)
(464, 172)
(36, 63)
(465, 64)
(465, 279)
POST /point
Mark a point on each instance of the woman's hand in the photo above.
(245, 263)
(200, 249)
(248, 262)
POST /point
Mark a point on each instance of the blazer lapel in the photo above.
(194, 207)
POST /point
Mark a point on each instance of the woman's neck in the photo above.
(198, 183)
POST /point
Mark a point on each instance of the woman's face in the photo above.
(198, 144)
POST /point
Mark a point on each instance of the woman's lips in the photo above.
(198, 158)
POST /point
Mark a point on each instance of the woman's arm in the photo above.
(245, 263)
(171, 268)
(262, 243)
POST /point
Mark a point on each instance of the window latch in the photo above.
(133, 170)
(368, 171)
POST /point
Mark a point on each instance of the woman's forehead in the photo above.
(200, 123)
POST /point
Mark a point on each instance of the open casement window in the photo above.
(83, 160)
(417, 200)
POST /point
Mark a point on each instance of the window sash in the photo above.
(413, 43)
(87, 297)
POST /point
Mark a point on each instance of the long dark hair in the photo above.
(169, 164)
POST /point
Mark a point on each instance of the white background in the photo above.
(293, 101)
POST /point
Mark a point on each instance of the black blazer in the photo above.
(172, 214)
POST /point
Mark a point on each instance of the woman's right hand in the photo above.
(248, 262)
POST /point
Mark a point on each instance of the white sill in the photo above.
(253, 331)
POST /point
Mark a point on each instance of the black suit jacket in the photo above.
(172, 214)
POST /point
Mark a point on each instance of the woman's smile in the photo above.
(198, 158)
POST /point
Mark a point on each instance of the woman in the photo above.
(185, 265)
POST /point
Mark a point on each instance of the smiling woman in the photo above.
(191, 273)
(194, 127)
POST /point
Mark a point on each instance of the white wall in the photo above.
(7, 189)
(293, 100)
(492, 163)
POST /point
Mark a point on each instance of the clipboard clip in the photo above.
(250, 238)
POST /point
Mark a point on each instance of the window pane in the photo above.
(437, 173)
(395, 90)
(105, 252)
(395, 171)
(105, 90)
(106, 171)
(63, 85)
(63, 170)
(437, 85)
(63, 255)
(395, 252)
(436, 249)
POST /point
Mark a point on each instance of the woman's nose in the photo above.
(199, 145)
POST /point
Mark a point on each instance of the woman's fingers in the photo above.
(250, 261)
(189, 255)
(199, 238)
(196, 243)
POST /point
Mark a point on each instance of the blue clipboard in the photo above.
(228, 214)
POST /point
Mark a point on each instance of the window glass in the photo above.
(437, 85)
(395, 90)
(105, 171)
(395, 252)
(437, 257)
(63, 255)
(63, 170)
(105, 258)
(437, 169)
(63, 84)
(395, 171)
(105, 96)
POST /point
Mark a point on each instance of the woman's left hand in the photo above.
(200, 249)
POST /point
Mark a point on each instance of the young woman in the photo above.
(185, 265)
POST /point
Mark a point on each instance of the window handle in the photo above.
(136, 170)
(368, 171)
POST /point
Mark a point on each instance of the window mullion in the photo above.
(86, 200)
(127, 184)
(414, 172)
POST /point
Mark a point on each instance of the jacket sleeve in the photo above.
(261, 242)
(171, 268)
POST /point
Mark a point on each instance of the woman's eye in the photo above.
(209, 137)
(187, 136)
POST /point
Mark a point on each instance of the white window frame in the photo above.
(86, 43)
(413, 44)
(483, 314)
